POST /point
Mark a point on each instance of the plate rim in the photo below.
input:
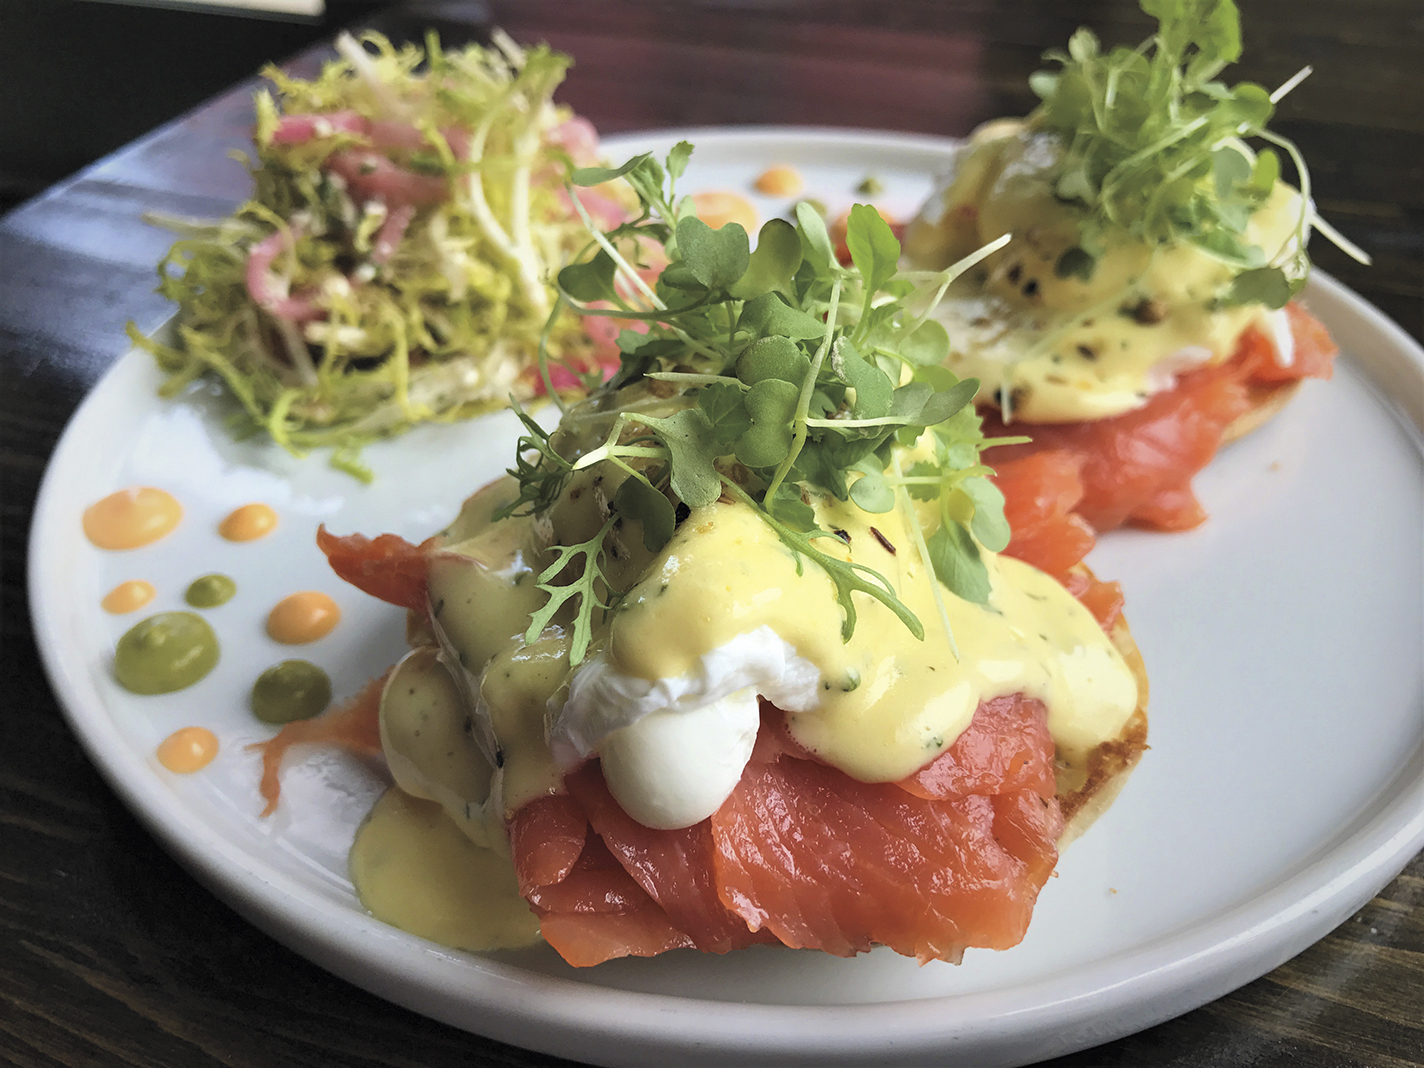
(1124, 992)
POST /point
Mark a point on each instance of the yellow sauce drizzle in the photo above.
(414, 869)
(188, 750)
(248, 523)
(128, 596)
(303, 617)
(131, 518)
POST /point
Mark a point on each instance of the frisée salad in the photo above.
(393, 263)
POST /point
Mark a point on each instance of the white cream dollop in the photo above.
(674, 748)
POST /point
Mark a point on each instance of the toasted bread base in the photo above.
(1266, 401)
(1086, 790)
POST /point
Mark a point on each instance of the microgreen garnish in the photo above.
(795, 377)
(587, 583)
(1156, 147)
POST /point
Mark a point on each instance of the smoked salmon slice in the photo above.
(804, 855)
(387, 567)
(1138, 467)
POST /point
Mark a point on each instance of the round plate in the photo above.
(1284, 787)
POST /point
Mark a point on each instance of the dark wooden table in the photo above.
(111, 955)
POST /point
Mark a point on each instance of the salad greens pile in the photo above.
(393, 263)
(794, 376)
(1155, 146)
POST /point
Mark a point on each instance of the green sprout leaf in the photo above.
(771, 403)
(873, 247)
(691, 441)
(587, 176)
(988, 524)
(927, 346)
(637, 499)
(873, 390)
(768, 314)
(716, 258)
(773, 263)
(815, 239)
(677, 158)
(589, 281)
(1262, 285)
(726, 413)
(872, 493)
(956, 560)
(787, 506)
(773, 358)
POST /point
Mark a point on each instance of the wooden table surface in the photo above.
(111, 955)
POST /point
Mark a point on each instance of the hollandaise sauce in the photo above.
(414, 869)
(1053, 342)
(879, 707)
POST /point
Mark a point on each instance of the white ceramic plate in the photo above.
(1285, 784)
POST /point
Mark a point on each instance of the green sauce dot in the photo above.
(210, 591)
(166, 652)
(291, 690)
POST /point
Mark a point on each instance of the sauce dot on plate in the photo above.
(303, 617)
(128, 596)
(291, 690)
(209, 591)
(188, 750)
(131, 518)
(719, 209)
(248, 523)
(164, 653)
(780, 181)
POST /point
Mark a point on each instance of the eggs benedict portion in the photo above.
(1143, 310)
(733, 654)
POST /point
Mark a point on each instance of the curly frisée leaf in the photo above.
(586, 589)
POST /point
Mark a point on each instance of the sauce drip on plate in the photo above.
(248, 523)
(188, 750)
(414, 870)
(303, 617)
(128, 596)
(131, 518)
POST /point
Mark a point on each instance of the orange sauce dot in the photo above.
(131, 518)
(780, 181)
(248, 523)
(128, 596)
(303, 617)
(719, 209)
(188, 750)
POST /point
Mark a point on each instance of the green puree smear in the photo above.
(210, 591)
(291, 690)
(164, 653)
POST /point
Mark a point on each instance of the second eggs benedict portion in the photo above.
(1142, 311)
